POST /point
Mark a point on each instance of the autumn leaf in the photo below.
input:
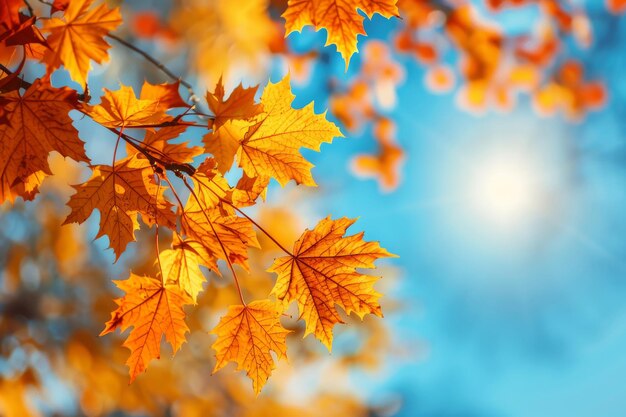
(211, 188)
(223, 143)
(158, 142)
(166, 94)
(271, 146)
(119, 193)
(153, 310)
(121, 108)
(339, 17)
(240, 105)
(78, 37)
(226, 237)
(321, 273)
(181, 265)
(248, 189)
(36, 123)
(247, 335)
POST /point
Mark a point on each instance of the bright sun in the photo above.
(502, 188)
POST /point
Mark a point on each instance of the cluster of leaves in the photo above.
(263, 139)
(54, 297)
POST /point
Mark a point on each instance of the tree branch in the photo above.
(155, 62)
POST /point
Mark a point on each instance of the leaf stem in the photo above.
(228, 261)
(258, 226)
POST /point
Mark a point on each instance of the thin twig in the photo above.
(169, 166)
(29, 7)
(153, 61)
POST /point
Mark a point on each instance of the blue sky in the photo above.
(522, 319)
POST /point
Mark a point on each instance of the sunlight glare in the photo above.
(503, 188)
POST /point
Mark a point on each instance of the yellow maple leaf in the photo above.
(247, 335)
(248, 189)
(271, 146)
(181, 265)
(321, 274)
(223, 143)
(119, 192)
(339, 17)
(153, 310)
(78, 37)
(122, 108)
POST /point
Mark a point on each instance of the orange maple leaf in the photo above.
(157, 143)
(226, 237)
(240, 104)
(78, 37)
(339, 17)
(248, 189)
(121, 108)
(271, 146)
(247, 335)
(36, 123)
(153, 310)
(119, 192)
(321, 273)
(166, 94)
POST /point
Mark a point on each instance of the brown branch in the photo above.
(175, 167)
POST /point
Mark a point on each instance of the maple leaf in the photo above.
(223, 143)
(339, 17)
(240, 104)
(210, 187)
(166, 94)
(226, 237)
(271, 146)
(181, 265)
(78, 37)
(153, 310)
(121, 108)
(321, 273)
(248, 190)
(206, 218)
(247, 335)
(158, 142)
(36, 123)
(119, 192)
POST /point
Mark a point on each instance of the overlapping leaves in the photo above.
(150, 144)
